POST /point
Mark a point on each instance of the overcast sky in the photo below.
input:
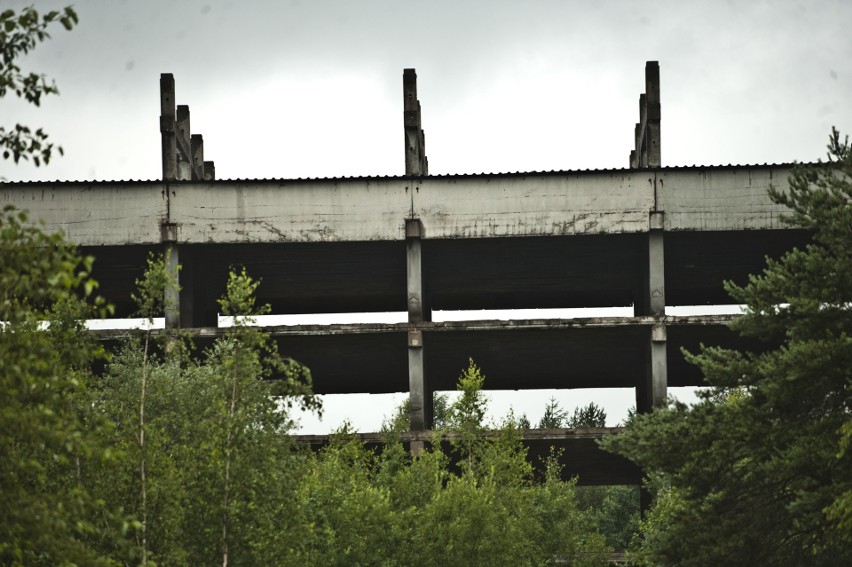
(313, 88)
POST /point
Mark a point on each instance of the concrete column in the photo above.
(184, 153)
(656, 281)
(646, 152)
(652, 113)
(414, 269)
(188, 316)
(196, 148)
(209, 171)
(167, 126)
(658, 371)
(171, 297)
(652, 302)
(415, 140)
(642, 142)
(420, 395)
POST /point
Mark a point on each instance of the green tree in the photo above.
(757, 472)
(251, 413)
(591, 415)
(467, 414)
(400, 420)
(20, 32)
(360, 507)
(220, 471)
(46, 427)
(554, 416)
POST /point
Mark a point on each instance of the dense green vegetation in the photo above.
(175, 457)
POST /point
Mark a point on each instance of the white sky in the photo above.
(314, 88)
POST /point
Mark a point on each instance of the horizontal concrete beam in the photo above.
(554, 435)
(720, 199)
(532, 354)
(94, 213)
(448, 326)
(371, 209)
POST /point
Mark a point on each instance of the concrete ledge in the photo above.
(374, 209)
(447, 326)
(604, 352)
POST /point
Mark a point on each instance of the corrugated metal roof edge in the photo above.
(439, 176)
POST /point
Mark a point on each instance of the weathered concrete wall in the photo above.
(720, 199)
(371, 209)
(534, 205)
(94, 214)
(290, 211)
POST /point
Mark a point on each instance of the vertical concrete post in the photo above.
(642, 140)
(646, 135)
(634, 153)
(196, 148)
(167, 126)
(186, 294)
(209, 171)
(656, 280)
(420, 395)
(184, 153)
(652, 113)
(658, 375)
(415, 139)
(652, 302)
(414, 271)
(424, 161)
(171, 299)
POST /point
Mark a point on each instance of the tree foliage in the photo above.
(48, 432)
(20, 33)
(220, 470)
(175, 456)
(556, 417)
(362, 507)
(758, 471)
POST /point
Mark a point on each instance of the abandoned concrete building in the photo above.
(645, 236)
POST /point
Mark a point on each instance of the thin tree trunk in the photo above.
(228, 449)
(142, 451)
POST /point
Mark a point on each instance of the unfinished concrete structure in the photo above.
(647, 236)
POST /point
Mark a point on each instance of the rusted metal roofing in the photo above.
(555, 172)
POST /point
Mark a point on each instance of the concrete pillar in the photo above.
(188, 316)
(657, 374)
(641, 144)
(652, 302)
(171, 297)
(167, 126)
(415, 139)
(646, 152)
(183, 159)
(652, 391)
(414, 269)
(196, 148)
(420, 395)
(184, 153)
(652, 114)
